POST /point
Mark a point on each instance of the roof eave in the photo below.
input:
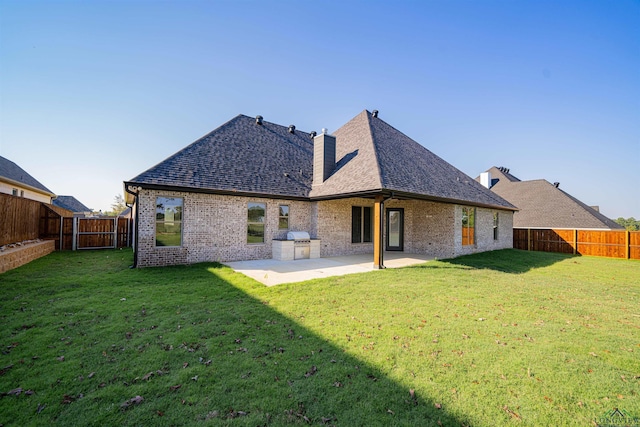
(566, 228)
(362, 194)
(161, 187)
(452, 201)
(27, 186)
(408, 195)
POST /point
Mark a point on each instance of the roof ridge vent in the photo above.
(375, 113)
(292, 128)
(259, 120)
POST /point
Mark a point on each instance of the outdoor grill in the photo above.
(301, 244)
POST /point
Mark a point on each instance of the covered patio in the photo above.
(273, 272)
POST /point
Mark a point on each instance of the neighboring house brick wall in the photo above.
(484, 231)
(214, 228)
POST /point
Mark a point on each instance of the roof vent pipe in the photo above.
(259, 120)
(556, 184)
(292, 128)
(325, 131)
(313, 134)
(375, 113)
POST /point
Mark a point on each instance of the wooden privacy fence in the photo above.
(605, 243)
(24, 219)
(89, 233)
(50, 228)
(100, 233)
(19, 219)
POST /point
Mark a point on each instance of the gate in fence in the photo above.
(86, 233)
(94, 233)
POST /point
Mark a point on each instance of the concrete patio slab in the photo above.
(273, 272)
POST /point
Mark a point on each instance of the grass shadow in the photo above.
(514, 261)
(199, 344)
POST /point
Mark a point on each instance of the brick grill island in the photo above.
(298, 245)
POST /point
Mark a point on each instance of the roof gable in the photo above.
(357, 168)
(13, 172)
(407, 166)
(374, 156)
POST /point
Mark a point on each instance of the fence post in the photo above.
(74, 244)
(61, 228)
(115, 233)
(575, 241)
(528, 239)
(627, 244)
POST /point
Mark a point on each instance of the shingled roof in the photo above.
(70, 203)
(544, 205)
(239, 157)
(13, 172)
(374, 156)
(243, 157)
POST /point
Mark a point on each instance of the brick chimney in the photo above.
(485, 179)
(324, 156)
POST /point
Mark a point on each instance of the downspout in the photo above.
(134, 192)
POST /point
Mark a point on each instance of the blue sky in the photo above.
(93, 93)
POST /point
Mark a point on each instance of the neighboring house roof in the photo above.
(70, 203)
(12, 172)
(544, 205)
(372, 157)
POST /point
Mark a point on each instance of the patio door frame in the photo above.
(400, 247)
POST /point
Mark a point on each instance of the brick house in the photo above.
(236, 192)
(542, 204)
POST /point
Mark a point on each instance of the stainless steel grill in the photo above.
(301, 244)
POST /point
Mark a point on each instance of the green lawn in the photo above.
(502, 338)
